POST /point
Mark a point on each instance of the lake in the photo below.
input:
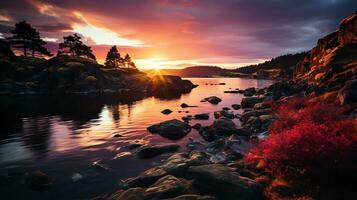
(63, 136)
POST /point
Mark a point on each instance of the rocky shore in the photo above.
(215, 169)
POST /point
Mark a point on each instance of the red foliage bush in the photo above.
(314, 140)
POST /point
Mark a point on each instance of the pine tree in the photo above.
(113, 58)
(72, 45)
(128, 62)
(26, 38)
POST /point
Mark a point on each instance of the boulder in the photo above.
(172, 129)
(236, 106)
(249, 92)
(249, 102)
(220, 127)
(129, 194)
(348, 94)
(227, 114)
(146, 178)
(197, 126)
(155, 150)
(166, 111)
(166, 187)
(212, 100)
(254, 113)
(224, 182)
(203, 116)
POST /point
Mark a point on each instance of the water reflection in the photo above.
(65, 135)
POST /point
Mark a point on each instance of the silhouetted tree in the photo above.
(113, 58)
(128, 62)
(27, 38)
(72, 45)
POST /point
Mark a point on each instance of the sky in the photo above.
(181, 33)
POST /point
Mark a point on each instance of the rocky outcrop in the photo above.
(333, 61)
(77, 75)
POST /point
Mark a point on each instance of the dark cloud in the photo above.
(239, 29)
(56, 27)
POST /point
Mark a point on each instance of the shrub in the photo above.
(310, 140)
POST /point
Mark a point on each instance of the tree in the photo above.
(128, 62)
(25, 37)
(113, 58)
(72, 45)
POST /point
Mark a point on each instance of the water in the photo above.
(64, 136)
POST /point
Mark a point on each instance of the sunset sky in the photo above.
(181, 33)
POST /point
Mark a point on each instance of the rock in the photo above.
(166, 187)
(155, 150)
(221, 126)
(192, 197)
(225, 108)
(227, 114)
(348, 94)
(249, 102)
(38, 180)
(249, 92)
(212, 100)
(217, 114)
(172, 129)
(232, 91)
(236, 106)
(201, 116)
(187, 118)
(224, 182)
(146, 178)
(221, 83)
(184, 105)
(166, 111)
(254, 113)
(129, 194)
(197, 126)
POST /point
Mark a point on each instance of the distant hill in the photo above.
(279, 67)
(195, 71)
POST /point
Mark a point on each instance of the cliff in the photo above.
(333, 61)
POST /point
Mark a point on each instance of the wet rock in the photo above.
(38, 180)
(249, 102)
(212, 100)
(197, 126)
(184, 105)
(249, 92)
(155, 150)
(224, 182)
(259, 106)
(254, 113)
(217, 114)
(146, 178)
(203, 116)
(187, 118)
(166, 187)
(236, 106)
(221, 126)
(227, 114)
(166, 111)
(193, 143)
(232, 91)
(129, 194)
(225, 108)
(221, 83)
(172, 129)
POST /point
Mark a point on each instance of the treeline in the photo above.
(281, 62)
(26, 39)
